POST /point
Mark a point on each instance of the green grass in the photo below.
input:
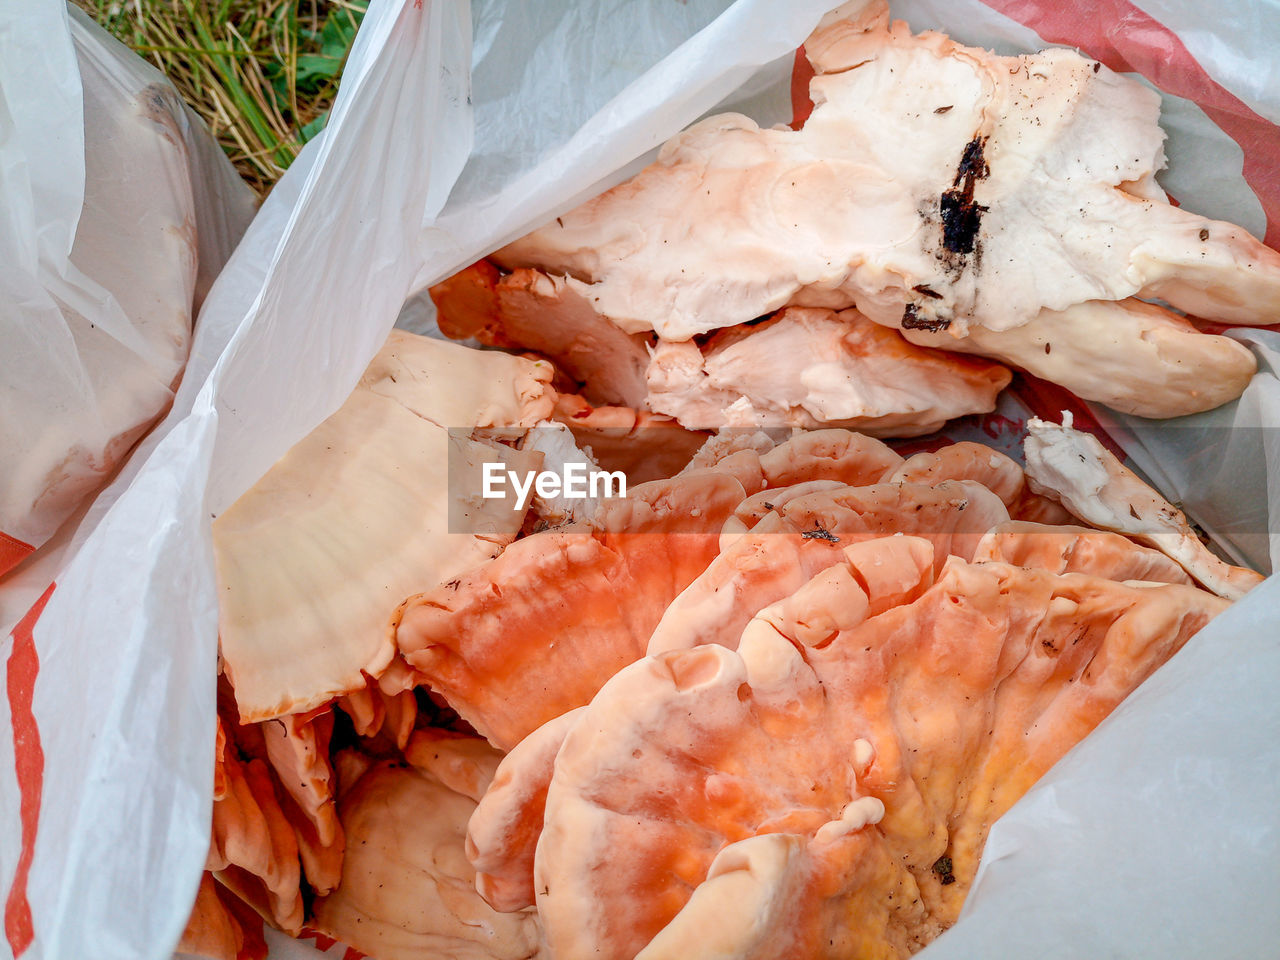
(262, 73)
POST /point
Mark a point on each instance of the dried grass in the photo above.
(262, 73)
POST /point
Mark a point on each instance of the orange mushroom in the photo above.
(797, 800)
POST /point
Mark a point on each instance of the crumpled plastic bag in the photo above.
(119, 210)
(116, 225)
(456, 130)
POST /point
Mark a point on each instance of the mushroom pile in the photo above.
(768, 701)
(1003, 210)
(769, 704)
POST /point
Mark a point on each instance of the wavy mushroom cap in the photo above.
(788, 800)
(407, 890)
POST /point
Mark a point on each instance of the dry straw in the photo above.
(262, 73)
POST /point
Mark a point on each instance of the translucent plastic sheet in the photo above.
(102, 237)
(118, 212)
(416, 176)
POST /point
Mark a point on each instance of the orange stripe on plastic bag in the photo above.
(1130, 41)
(801, 105)
(325, 944)
(12, 552)
(28, 762)
(322, 942)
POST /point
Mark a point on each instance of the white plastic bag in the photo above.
(118, 211)
(102, 240)
(418, 173)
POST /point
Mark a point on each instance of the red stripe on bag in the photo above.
(801, 105)
(1130, 41)
(12, 552)
(325, 944)
(28, 763)
(322, 942)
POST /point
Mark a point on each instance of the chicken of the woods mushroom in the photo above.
(1001, 206)
(356, 516)
(802, 367)
(311, 562)
(827, 793)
